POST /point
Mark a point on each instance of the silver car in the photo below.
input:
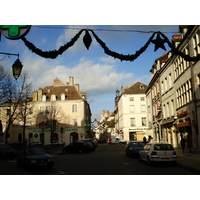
(158, 152)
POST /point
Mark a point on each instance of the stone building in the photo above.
(131, 120)
(59, 112)
(173, 93)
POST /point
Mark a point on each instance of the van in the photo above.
(113, 140)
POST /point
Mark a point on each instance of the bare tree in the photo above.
(13, 94)
(52, 118)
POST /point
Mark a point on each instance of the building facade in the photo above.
(59, 112)
(174, 91)
(131, 120)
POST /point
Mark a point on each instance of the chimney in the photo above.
(40, 91)
(35, 95)
(176, 39)
(71, 81)
(77, 87)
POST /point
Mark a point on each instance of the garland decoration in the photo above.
(54, 53)
(87, 40)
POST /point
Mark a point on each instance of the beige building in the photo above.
(131, 112)
(58, 112)
(174, 91)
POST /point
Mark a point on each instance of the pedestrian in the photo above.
(144, 139)
(189, 143)
(183, 144)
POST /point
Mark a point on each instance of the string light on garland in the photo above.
(87, 40)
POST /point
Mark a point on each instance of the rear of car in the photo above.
(133, 148)
(76, 147)
(158, 152)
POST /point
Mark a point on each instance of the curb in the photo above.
(197, 171)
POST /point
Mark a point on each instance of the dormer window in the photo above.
(62, 97)
(44, 98)
(66, 90)
(48, 90)
(141, 87)
(53, 97)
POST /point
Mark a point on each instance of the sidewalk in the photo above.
(189, 161)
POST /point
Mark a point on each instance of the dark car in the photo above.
(133, 148)
(34, 157)
(76, 147)
(89, 143)
(6, 151)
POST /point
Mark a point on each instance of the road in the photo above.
(107, 160)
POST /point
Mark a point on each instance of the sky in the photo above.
(98, 74)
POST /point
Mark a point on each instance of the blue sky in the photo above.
(97, 73)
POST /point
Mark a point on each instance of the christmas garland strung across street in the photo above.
(87, 40)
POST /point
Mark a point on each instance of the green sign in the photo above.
(14, 31)
(58, 130)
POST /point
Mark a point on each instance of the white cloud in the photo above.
(93, 78)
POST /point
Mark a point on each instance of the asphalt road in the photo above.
(107, 160)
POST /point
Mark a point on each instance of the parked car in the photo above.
(90, 143)
(6, 151)
(158, 152)
(57, 144)
(34, 157)
(35, 143)
(133, 147)
(76, 147)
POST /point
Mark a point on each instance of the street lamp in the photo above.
(17, 65)
(17, 68)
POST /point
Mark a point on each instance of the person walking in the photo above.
(189, 143)
(183, 144)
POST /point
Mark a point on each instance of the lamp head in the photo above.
(17, 68)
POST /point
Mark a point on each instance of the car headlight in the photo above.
(50, 159)
(32, 161)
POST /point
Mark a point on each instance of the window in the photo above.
(62, 97)
(30, 111)
(131, 99)
(75, 122)
(20, 111)
(144, 121)
(53, 97)
(48, 109)
(53, 109)
(7, 111)
(42, 110)
(74, 108)
(44, 97)
(132, 109)
(143, 108)
(132, 121)
(142, 98)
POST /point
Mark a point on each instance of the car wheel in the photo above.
(149, 163)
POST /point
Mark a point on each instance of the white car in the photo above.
(158, 152)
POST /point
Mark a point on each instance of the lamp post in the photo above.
(17, 65)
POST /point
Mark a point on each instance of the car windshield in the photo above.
(163, 147)
(34, 150)
(136, 144)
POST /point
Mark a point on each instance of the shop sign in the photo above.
(14, 32)
(182, 113)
